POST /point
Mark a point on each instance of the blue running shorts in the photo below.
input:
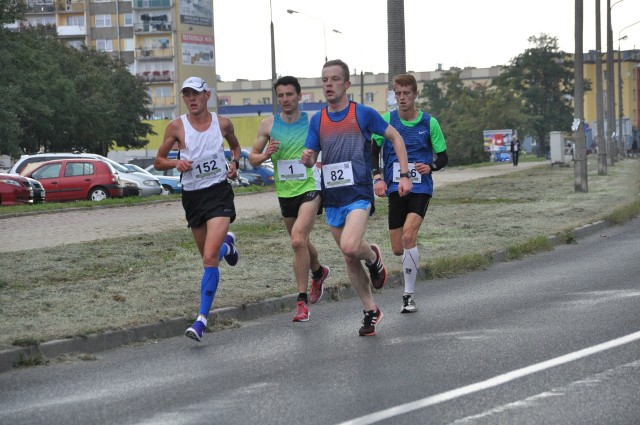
(337, 216)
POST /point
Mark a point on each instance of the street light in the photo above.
(620, 111)
(274, 102)
(324, 29)
(611, 113)
(620, 108)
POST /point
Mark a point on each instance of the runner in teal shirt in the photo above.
(281, 138)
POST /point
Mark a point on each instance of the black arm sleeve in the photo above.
(375, 158)
(441, 161)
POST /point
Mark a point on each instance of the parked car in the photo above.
(146, 185)
(252, 178)
(15, 190)
(156, 173)
(170, 184)
(172, 173)
(78, 179)
(265, 170)
(240, 182)
(39, 194)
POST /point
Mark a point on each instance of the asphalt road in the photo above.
(553, 338)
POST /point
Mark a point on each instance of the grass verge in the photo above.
(118, 283)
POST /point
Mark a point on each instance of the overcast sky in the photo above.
(448, 32)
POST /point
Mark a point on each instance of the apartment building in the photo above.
(161, 41)
(165, 41)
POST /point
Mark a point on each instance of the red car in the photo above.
(15, 190)
(78, 179)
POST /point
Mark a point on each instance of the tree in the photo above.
(464, 112)
(542, 78)
(11, 11)
(63, 99)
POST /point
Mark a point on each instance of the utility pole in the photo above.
(396, 45)
(580, 183)
(602, 148)
(274, 100)
(611, 92)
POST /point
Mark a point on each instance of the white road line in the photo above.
(489, 383)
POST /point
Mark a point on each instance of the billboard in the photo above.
(498, 143)
(197, 50)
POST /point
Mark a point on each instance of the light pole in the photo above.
(274, 101)
(611, 112)
(620, 108)
(324, 29)
(600, 139)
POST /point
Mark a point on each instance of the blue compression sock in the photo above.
(208, 287)
(224, 249)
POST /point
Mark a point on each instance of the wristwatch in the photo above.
(404, 175)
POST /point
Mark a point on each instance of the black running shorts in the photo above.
(401, 206)
(289, 207)
(204, 204)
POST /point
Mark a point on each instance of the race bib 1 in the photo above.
(291, 169)
(337, 175)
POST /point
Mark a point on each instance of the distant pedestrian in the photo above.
(207, 197)
(342, 131)
(515, 150)
(281, 138)
(634, 148)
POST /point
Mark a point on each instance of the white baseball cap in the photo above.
(195, 83)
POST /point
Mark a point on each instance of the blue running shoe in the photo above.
(196, 330)
(232, 255)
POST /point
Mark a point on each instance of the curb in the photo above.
(175, 327)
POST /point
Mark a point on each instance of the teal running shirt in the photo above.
(292, 178)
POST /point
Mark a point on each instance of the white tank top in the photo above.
(206, 150)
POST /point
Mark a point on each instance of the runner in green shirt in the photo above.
(281, 138)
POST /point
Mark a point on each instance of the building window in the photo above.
(350, 96)
(368, 97)
(266, 100)
(104, 45)
(76, 44)
(77, 21)
(163, 92)
(129, 46)
(103, 21)
(128, 19)
(246, 101)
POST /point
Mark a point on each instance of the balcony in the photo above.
(40, 8)
(150, 53)
(70, 6)
(165, 76)
(154, 28)
(71, 30)
(159, 101)
(151, 4)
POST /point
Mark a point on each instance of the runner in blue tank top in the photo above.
(423, 138)
(342, 131)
